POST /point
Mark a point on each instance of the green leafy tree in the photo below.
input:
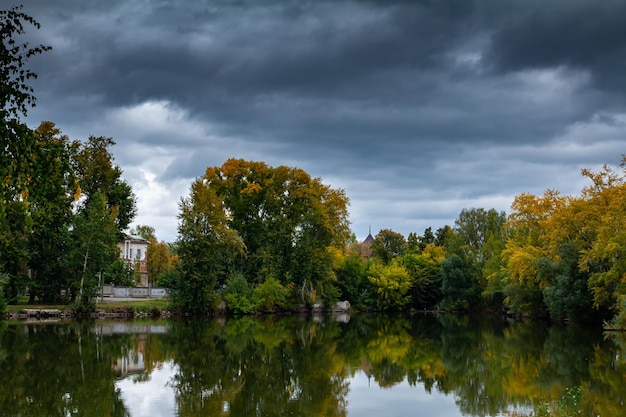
(352, 279)
(388, 245)
(119, 273)
(18, 145)
(207, 248)
(424, 270)
(96, 172)
(54, 188)
(16, 95)
(240, 296)
(458, 289)
(567, 295)
(93, 249)
(427, 239)
(412, 242)
(4, 280)
(146, 232)
(286, 221)
(443, 236)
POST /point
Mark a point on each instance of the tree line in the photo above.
(252, 237)
(262, 238)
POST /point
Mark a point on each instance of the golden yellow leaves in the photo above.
(251, 188)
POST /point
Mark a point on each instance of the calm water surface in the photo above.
(439, 366)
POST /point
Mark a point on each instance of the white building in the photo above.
(133, 250)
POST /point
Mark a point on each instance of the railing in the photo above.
(112, 291)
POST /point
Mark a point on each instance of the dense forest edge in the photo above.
(253, 238)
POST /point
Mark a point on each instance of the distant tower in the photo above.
(369, 239)
(365, 249)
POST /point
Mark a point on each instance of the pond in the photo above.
(364, 365)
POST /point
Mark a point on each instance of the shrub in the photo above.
(239, 296)
(271, 295)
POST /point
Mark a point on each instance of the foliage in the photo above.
(158, 260)
(564, 253)
(263, 222)
(18, 147)
(207, 248)
(424, 271)
(567, 294)
(119, 273)
(240, 296)
(96, 172)
(4, 280)
(145, 231)
(568, 405)
(54, 186)
(93, 249)
(388, 245)
(459, 290)
(16, 93)
(352, 279)
(391, 284)
(271, 295)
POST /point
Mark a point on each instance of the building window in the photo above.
(138, 253)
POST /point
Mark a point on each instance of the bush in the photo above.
(271, 295)
(239, 296)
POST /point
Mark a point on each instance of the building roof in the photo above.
(135, 238)
(369, 239)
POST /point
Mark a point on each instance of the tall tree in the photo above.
(16, 95)
(158, 260)
(286, 221)
(93, 249)
(207, 248)
(17, 143)
(54, 191)
(96, 171)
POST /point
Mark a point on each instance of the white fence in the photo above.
(112, 291)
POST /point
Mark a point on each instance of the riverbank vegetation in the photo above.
(256, 238)
(552, 256)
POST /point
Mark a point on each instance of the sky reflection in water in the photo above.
(155, 397)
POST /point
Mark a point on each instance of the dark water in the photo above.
(269, 366)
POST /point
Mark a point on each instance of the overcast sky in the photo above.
(417, 109)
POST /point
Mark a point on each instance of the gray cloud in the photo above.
(417, 108)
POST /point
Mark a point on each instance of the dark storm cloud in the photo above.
(454, 102)
(586, 35)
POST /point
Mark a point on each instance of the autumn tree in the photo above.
(287, 220)
(528, 241)
(208, 249)
(158, 260)
(391, 284)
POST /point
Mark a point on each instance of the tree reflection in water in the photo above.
(276, 366)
